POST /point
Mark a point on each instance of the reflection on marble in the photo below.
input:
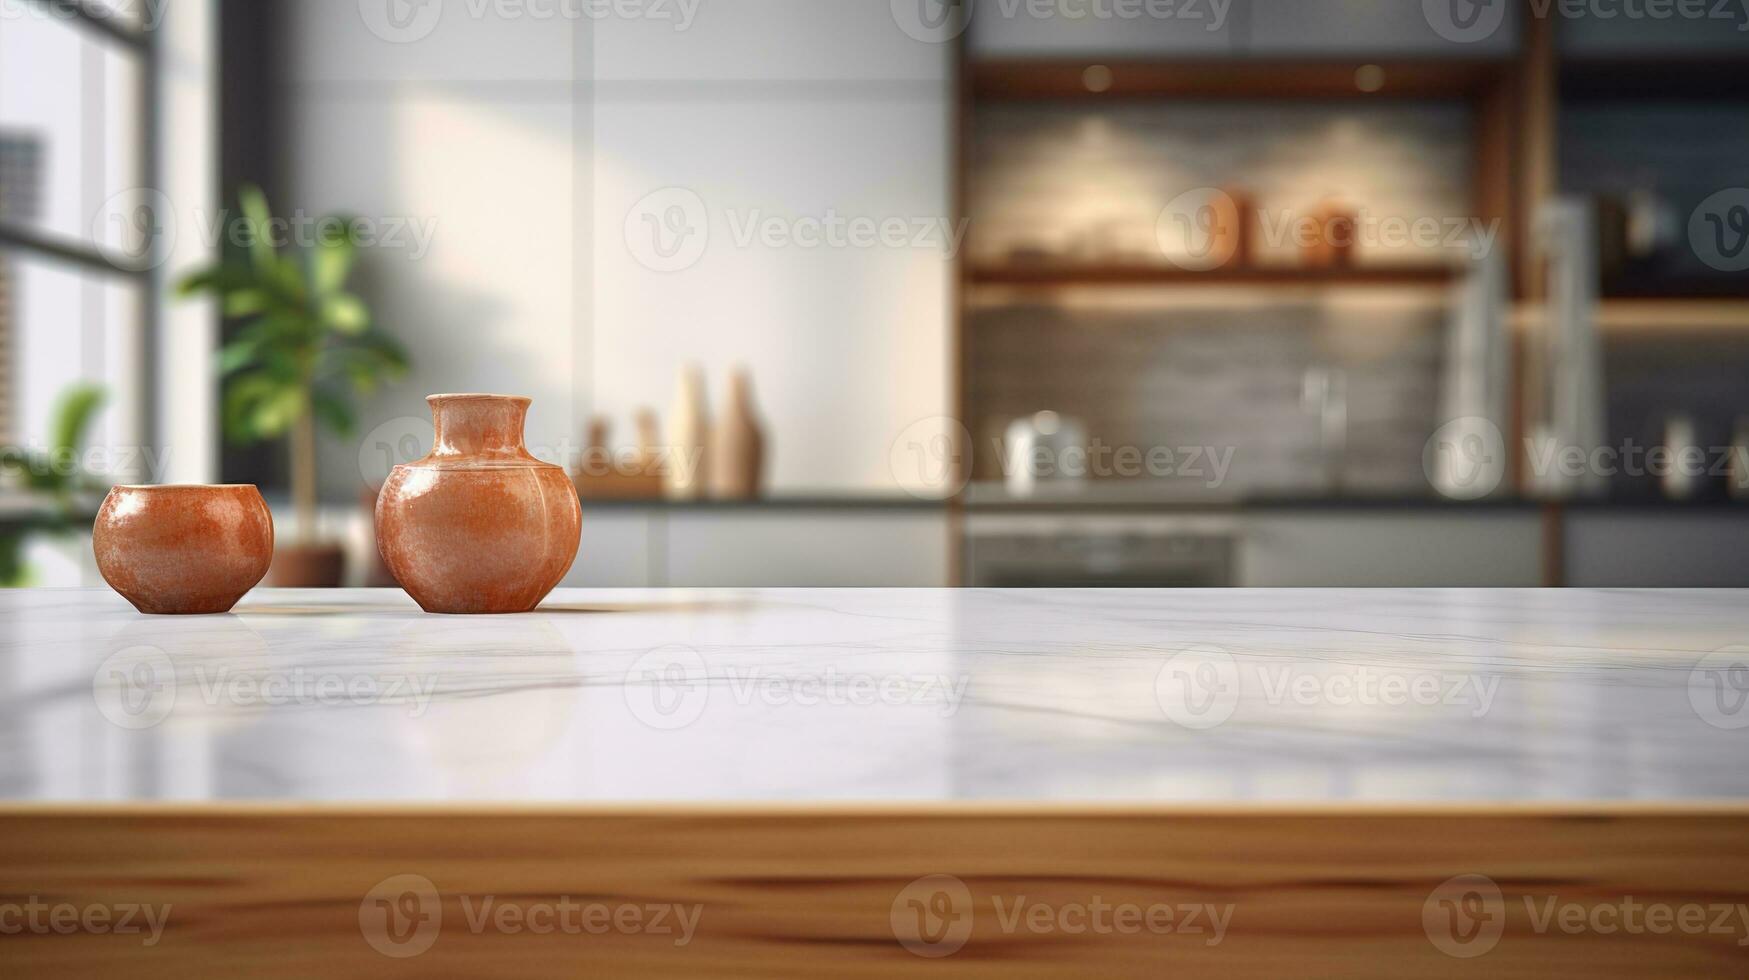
(1285, 695)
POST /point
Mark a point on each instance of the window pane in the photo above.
(64, 327)
(69, 131)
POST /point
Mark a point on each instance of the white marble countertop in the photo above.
(1227, 696)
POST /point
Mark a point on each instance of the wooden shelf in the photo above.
(1137, 274)
(1723, 286)
(1233, 78)
(1654, 314)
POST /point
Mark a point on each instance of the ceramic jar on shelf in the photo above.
(479, 525)
(736, 449)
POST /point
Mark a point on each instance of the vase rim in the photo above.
(184, 486)
(476, 396)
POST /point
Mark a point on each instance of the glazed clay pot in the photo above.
(183, 550)
(479, 525)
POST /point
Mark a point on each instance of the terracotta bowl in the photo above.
(183, 550)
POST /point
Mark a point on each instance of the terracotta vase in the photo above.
(478, 525)
(737, 446)
(183, 550)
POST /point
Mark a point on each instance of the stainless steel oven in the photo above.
(1097, 551)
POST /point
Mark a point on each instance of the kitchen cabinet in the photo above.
(1663, 548)
(1431, 545)
(618, 549)
(760, 545)
(1424, 547)
(900, 547)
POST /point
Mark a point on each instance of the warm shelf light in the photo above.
(1369, 78)
(1097, 78)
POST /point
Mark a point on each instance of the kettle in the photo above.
(1044, 447)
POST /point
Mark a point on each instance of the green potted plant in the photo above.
(303, 347)
(56, 493)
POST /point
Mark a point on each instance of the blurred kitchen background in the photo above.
(900, 292)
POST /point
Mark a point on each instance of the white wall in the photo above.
(188, 145)
(524, 142)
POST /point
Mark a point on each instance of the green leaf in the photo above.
(73, 415)
(260, 220)
(219, 280)
(333, 409)
(345, 313)
(246, 302)
(331, 259)
(260, 405)
(275, 413)
(388, 349)
(12, 570)
(239, 354)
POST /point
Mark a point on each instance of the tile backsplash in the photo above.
(1232, 377)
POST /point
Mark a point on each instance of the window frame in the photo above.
(140, 44)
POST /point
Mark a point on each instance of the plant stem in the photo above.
(303, 475)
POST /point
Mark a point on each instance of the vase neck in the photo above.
(478, 425)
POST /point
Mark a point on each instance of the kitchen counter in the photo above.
(794, 761)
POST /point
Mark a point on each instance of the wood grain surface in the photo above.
(811, 891)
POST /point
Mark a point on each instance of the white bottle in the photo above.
(688, 428)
